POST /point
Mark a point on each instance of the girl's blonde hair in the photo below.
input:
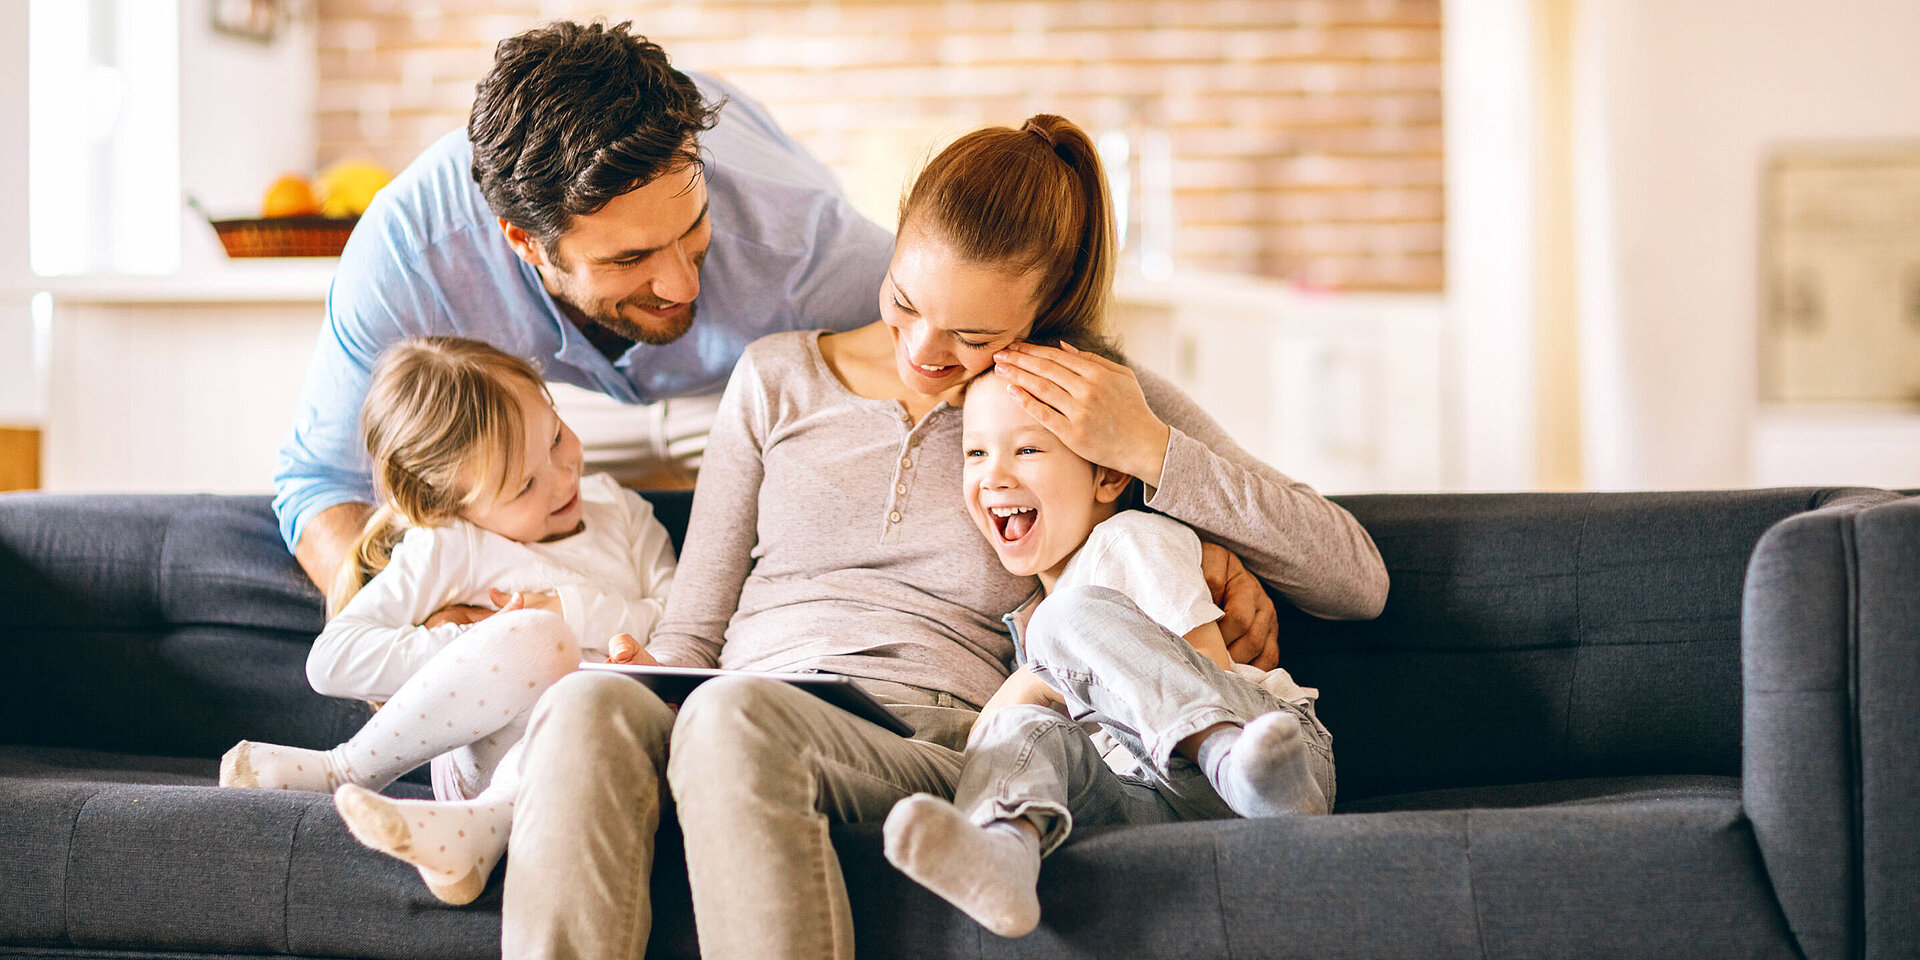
(443, 429)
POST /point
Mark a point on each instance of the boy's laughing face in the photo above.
(1032, 498)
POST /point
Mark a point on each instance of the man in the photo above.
(573, 223)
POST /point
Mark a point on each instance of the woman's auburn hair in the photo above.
(443, 428)
(1032, 198)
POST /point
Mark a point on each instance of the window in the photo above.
(103, 136)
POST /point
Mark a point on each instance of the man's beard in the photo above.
(656, 332)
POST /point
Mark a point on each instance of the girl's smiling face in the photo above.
(948, 316)
(540, 496)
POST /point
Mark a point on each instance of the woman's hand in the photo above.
(623, 648)
(1251, 626)
(1091, 403)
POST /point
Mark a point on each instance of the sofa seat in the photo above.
(110, 851)
(1631, 866)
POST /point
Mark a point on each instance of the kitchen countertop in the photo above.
(263, 280)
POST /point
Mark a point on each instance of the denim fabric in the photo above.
(1150, 689)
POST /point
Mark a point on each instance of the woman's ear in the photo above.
(1109, 484)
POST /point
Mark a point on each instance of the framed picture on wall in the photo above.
(257, 20)
(1840, 269)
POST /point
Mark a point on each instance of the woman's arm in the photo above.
(1301, 543)
(722, 528)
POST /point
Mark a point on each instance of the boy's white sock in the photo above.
(269, 766)
(989, 872)
(1262, 770)
(455, 844)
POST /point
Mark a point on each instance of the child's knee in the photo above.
(1021, 721)
(1073, 614)
(540, 639)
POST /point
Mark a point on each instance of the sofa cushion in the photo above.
(1591, 790)
(111, 851)
(1606, 868)
(1542, 636)
(121, 851)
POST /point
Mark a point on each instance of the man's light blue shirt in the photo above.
(428, 259)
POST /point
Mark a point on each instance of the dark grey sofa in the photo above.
(1586, 725)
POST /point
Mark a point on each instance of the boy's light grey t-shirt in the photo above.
(829, 534)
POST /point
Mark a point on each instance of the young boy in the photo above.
(1122, 634)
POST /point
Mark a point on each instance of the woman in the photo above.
(828, 535)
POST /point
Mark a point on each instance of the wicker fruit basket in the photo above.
(284, 236)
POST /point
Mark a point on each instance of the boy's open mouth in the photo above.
(1013, 523)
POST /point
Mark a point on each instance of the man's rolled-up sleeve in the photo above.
(375, 301)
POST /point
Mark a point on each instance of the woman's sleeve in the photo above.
(1302, 544)
(373, 645)
(722, 529)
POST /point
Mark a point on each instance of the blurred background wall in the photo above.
(1300, 139)
(1391, 244)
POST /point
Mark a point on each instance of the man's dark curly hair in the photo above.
(573, 115)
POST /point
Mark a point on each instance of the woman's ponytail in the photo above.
(1033, 199)
(1079, 308)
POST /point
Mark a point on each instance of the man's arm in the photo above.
(326, 539)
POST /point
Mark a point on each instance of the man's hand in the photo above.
(623, 648)
(1251, 627)
(460, 613)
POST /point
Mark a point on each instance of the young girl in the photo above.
(509, 567)
(1126, 637)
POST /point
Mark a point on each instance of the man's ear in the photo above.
(523, 244)
(1109, 484)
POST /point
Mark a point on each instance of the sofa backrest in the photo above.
(1526, 637)
(1533, 637)
(164, 624)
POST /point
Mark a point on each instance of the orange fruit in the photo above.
(290, 196)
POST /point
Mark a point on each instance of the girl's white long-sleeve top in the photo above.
(612, 577)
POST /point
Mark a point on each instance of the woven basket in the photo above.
(285, 236)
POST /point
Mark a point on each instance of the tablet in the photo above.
(672, 684)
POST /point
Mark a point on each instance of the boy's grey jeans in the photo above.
(1150, 689)
(759, 771)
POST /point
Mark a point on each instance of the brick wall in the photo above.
(1299, 138)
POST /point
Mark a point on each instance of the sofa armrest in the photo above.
(1831, 675)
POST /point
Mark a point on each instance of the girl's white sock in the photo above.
(269, 766)
(454, 844)
(991, 873)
